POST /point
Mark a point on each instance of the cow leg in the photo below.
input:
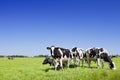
(89, 63)
(68, 63)
(74, 59)
(56, 67)
(83, 61)
(98, 62)
(61, 64)
(78, 62)
(56, 64)
(88, 60)
(102, 63)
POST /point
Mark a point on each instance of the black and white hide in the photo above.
(52, 62)
(106, 58)
(60, 55)
(97, 55)
(78, 54)
(49, 61)
(92, 54)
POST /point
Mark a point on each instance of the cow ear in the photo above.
(75, 48)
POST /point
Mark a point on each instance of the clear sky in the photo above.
(27, 27)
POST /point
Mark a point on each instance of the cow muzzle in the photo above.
(48, 48)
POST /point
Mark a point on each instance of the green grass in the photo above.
(32, 69)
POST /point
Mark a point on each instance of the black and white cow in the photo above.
(60, 55)
(92, 54)
(49, 61)
(10, 57)
(106, 58)
(52, 62)
(97, 54)
(78, 55)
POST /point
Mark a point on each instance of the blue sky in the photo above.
(27, 27)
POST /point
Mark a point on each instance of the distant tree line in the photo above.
(1, 56)
(40, 56)
(21, 56)
(114, 56)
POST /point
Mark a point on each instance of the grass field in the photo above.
(32, 69)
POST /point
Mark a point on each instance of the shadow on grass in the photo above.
(92, 67)
(47, 70)
(71, 67)
(59, 68)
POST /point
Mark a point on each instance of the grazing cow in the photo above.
(10, 58)
(97, 54)
(60, 55)
(52, 62)
(77, 55)
(106, 58)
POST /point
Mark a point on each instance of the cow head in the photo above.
(73, 52)
(48, 48)
(106, 58)
(46, 60)
(112, 66)
(74, 49)
(101, 49)
(51, 50)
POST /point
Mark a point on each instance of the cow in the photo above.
(97, 55)
(60, 55)
(78, 55)
(92, 54)
(52, 62)
(49, 61)
(10, 57)
(106, 58)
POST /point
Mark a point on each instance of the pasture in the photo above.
(33, 69)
